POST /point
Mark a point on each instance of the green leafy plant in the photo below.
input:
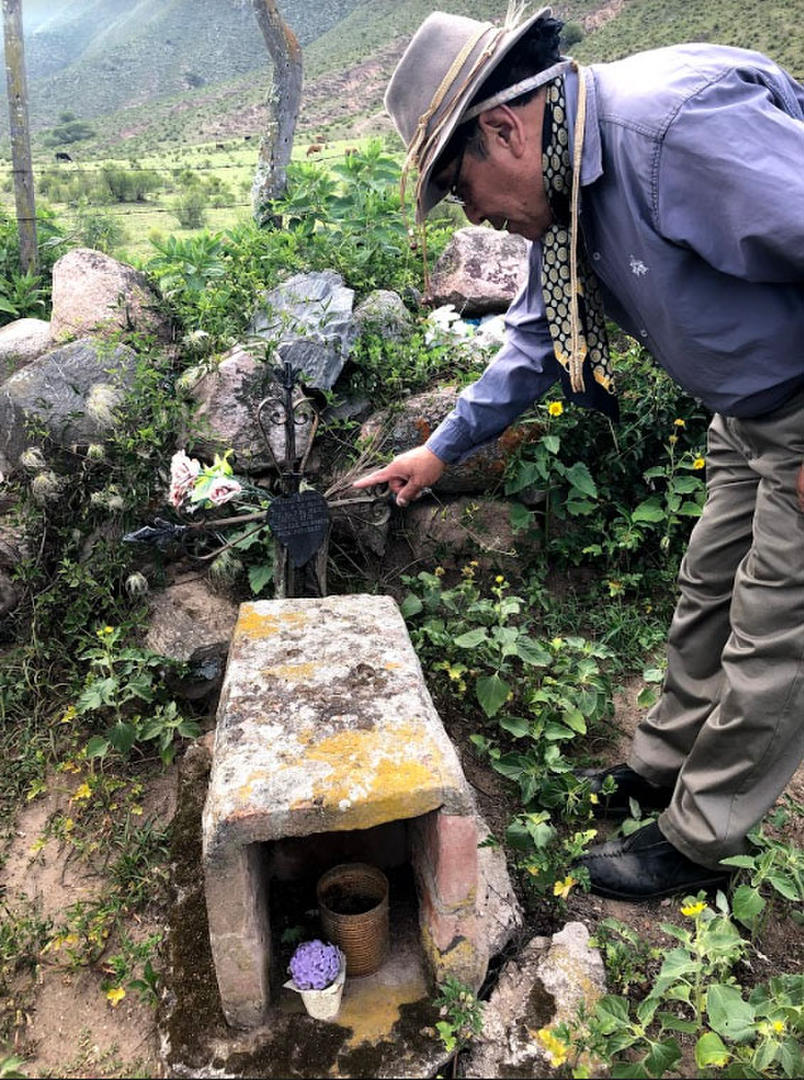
(461, 1012)
(775, 864)
(121, 681)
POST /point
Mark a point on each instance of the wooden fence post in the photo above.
(20, 133)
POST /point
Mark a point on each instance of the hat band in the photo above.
(522, 87)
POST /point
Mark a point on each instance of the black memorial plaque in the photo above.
(300, 523)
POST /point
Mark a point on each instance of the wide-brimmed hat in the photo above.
(446, 62)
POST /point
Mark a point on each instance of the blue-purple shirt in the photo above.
(692, 214)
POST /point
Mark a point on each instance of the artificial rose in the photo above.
(222, 489)
(183, 474)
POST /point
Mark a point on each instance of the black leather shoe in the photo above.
(645, 866)
(630, 785)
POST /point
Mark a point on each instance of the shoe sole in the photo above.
(614, 894)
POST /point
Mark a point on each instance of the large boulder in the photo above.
(414, 421)
(21, 342)
(73, 391)
(308, 321)
(94, 293)
(480, 271)
(228, 397)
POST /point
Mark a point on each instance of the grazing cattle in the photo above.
(351, 150)
(247, 138)
(315, 148)
(61, 156)
(219, 146)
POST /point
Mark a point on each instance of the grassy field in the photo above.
(224, 171)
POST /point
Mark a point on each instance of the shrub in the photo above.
(190, 208)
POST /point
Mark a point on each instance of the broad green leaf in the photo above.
(97, 747)
(518, 726)
(259, 576)
(99, 693)
(511, 765)
(646, 1008)
(579, 476)
(647, 697)
(492, 693)
(411, 605)
(710, 1051)
(745, 862)
(574, 718)
(472, 638)
(747, 904)
(650, 510)
(785, 885)
(533, 653)
(633, 1070)
(551, 443)
(520, 516)
(612, 1013)
(687, 484)
(662, 1057)
(556, 732)
(670, 1022)
(121, 736)
(792, 1057)
(728, 1014)
(690, 509)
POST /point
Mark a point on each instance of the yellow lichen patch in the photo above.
(292, 672)
(371, 1011)
(382, 776)
(392, 665)
(256, 624)
(245, 789)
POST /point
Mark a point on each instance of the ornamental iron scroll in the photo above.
(299, 517)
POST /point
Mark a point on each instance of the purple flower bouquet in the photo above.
(314, 965)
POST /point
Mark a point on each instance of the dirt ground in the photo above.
(69, 1028)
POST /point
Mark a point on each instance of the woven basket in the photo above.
(353, 903)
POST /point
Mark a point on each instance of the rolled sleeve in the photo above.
(523, 371)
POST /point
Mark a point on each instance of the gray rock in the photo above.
(72, 390)
(414, 421)
(228, 397)
(21, 342)
(480, 271)
(187, 617)
(94, 293)
(384, 313)
(543, 986)
(309, 321)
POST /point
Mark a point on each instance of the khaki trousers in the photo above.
(728, 730)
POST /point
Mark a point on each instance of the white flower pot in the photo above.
(323, 1004)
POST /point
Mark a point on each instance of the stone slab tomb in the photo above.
(328, 749)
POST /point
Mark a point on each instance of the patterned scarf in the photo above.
(598, 383)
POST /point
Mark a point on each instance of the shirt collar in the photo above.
(592, 154)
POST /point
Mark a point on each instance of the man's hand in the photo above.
(800, 489)
(407, 474)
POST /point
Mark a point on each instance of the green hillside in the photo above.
(775, 27)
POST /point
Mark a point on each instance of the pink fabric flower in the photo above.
(222, 489)
(183, 474)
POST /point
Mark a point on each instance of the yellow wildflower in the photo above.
(679, 422)
(69, 824)
(82, 792)
(555, 408)
(499, 579)
(673, 440)
(137, 811)
(68, 715)
(439, 571)
(699, 463)
(593, 799)
(778, 1026)
(562, 888)
(115, 996)
(556, 1049)
(691, 910)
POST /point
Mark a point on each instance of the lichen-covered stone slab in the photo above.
(325, 724)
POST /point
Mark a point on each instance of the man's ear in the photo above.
(503, 127)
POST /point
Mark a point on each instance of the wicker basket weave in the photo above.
(353, 903)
